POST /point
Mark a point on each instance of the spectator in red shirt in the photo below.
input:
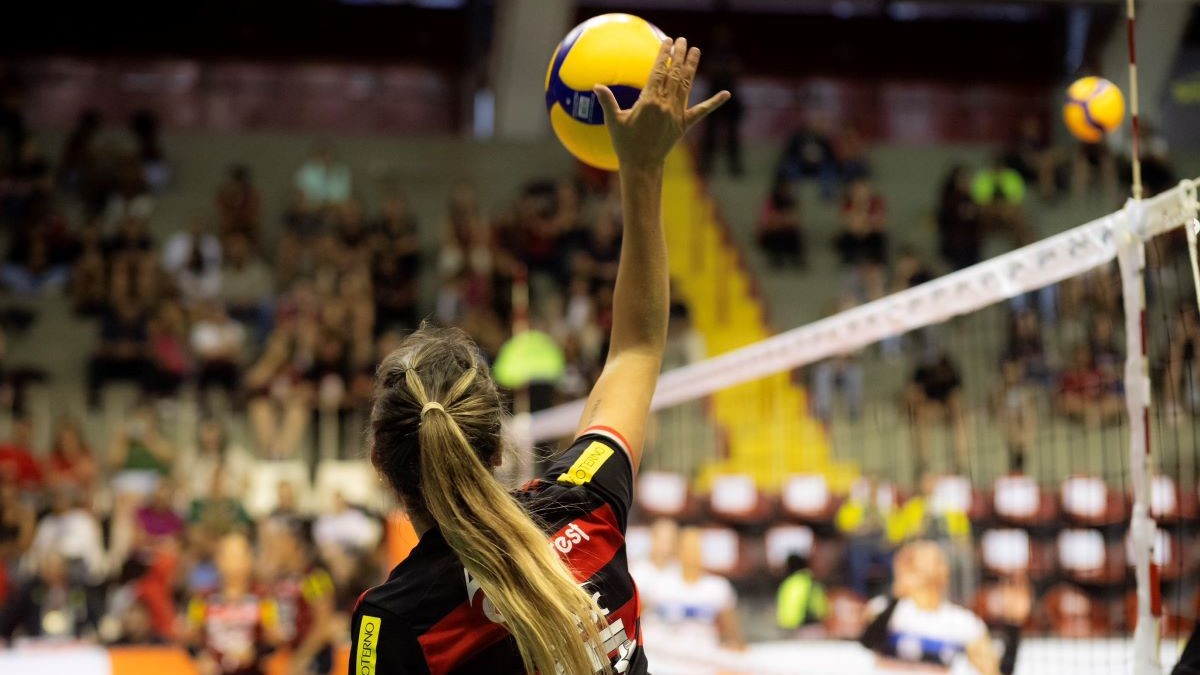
(16, 457)
(71, 462)
(1089, 391)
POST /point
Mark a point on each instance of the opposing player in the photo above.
(535, 581)
(918, 624)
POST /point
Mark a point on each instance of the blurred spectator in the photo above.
(72, 462)
(70, 532)
(217, 512)
(193, 259)
(214, 452)
(345, 527)
(323, 179)
(75, 162)
(397, 266)
(1088, 391)
(218, 344)
(1182, 387)
(26, 194)
(809, 154)
(239, 204)
(1033, 156)
(170, 362)
(844, 371)
(800, 603)
(280, 400)
(723, 126)
(304, 593)
(1094, 163)
(50, 606)
(16, 457)
(862, 243)
(960, 231)
(137, 627)
(247, 285)
(850, 151)
(1014, 405)
(155, 170)
(779, 229)
(1026, 347)
(1000, 193)
(233, 629)
(662, 561)
(861, 519)
(691, 606)
(17, 524)
(139, 454)
(34, 266)
(123, 351)
(88, 289)
(287, 504)
(156, 518)
(935, 394)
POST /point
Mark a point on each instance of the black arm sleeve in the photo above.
(1189, 660)
(380, 644)
(874, 637)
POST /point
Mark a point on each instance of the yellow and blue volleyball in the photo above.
(1094, 108)
(617, 50)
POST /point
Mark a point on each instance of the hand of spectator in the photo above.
(644, 134)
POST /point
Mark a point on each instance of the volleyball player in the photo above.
(535, 581)
(918, 624)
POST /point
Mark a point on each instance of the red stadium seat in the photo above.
(1011, 551)
(845, 619)
(1168, 554)
(807, 498)
(1085, 557)
(661, 494)
(1068, 612)
(784, 540)
(954, 493)
(989, 604)
(735, 499)
(1087, 500)
(1018, 500)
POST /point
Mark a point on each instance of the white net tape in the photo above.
(1026, 269)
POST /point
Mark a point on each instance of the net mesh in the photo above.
(988, 409)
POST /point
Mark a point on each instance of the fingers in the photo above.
(658, 74)
(608, 102)
(702, 109)
(676, 85)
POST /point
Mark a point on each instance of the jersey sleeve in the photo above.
(381, 644)
(598, 461)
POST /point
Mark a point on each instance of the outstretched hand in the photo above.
(643, 135)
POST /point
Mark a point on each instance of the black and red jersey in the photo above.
(431, 618)
(235, 631)
(295, 595)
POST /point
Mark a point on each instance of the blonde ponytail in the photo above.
(555, 622)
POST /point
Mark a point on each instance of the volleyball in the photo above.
(1094, 107)
(617, 50)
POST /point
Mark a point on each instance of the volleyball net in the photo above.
(1040, 408)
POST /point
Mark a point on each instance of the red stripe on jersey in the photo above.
(587, 544)
(458, 636)
(609, 431)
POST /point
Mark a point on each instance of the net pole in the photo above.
(1134, 116)
(1131, 258)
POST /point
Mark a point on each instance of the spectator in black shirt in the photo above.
(960, 231)
(123, 350)
(779, 233)
(809, 154)
(935, 394)
(50, 606)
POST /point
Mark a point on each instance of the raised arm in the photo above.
(642, 137)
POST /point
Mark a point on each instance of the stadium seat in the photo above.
(662, 494)
(1084, 556)
(954, 493)
(265, 477)
(1009, 551)
(727, 553)
(1068, 612)
(354, 479)
(1018, 500)
(784, 540)
(807, 498)
(735, 499)
(989, 604)
(845, 619)
(1169, 504)
(1088, 500)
